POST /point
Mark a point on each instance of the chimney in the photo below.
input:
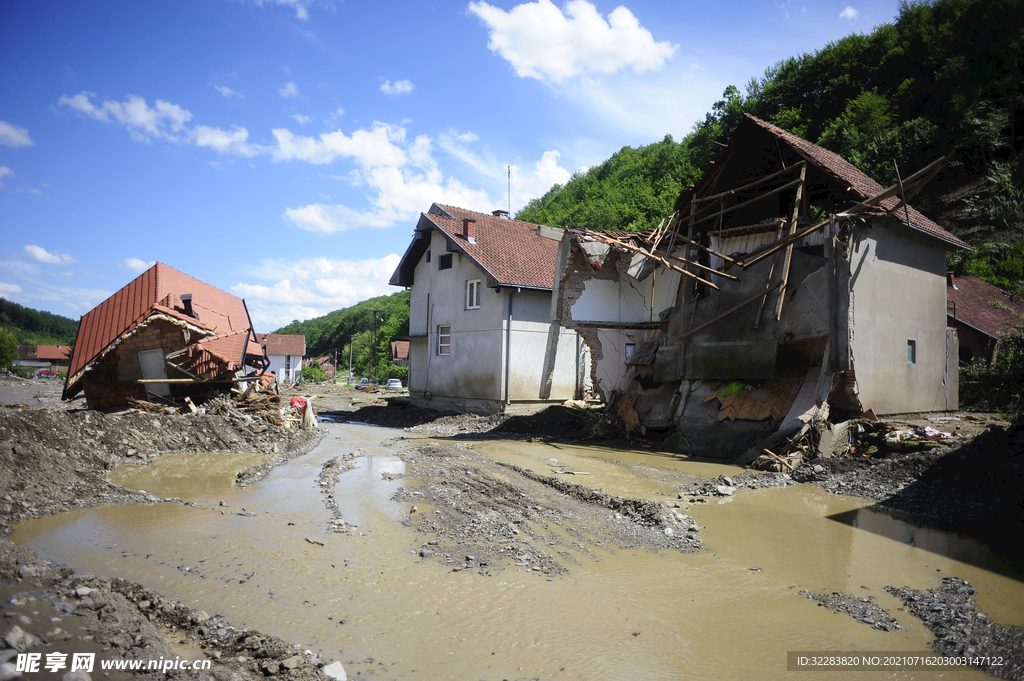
(469, 230)
(186, 300)
(500, 213)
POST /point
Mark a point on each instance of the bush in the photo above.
(314, 374)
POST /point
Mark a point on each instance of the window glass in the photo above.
(444, 262)
(912, 351)
(473, 294)
(444, 339)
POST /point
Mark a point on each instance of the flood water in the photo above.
(621, 615)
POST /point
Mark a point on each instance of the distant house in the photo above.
(399, 353)
(975, 309)
(480, 325)
(164, 335)
(43, 356)
(787, 282)
(285, 352)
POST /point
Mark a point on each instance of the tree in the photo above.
(8, 349)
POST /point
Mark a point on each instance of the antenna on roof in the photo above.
(509, 191)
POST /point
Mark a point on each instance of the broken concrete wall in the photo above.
(112, 380)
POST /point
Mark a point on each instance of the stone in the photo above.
(668, 532)
(77, 675)
(336, 671)
(15, 638)
(83, 591)
(26, 572)
(725, 490)
(292, 662)
(8, 672)
(727, 480)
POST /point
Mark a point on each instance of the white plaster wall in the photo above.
(899, 293)
(611, 369)
(627, 300)
(277, 364)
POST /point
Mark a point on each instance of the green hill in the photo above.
(335, 330)
(36, 327)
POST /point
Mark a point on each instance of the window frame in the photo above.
(473, 294)
(911, 351)
(444, 262)
(444, 349)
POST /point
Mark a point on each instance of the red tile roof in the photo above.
(283, 343)
(53, 353)
(158, 290)
(400, 349)
(844, 171)
(511, 251)
(972, 298)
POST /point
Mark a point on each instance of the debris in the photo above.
(314, 541)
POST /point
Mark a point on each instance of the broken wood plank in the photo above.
(789, 249)
(770, 249)
(691, 242)
(749, 202)
(768, 281)
(703, 267)
(314, 542)
(749, 185)
(725, 314)
(653, 256)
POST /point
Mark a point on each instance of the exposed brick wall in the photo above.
(112, 381)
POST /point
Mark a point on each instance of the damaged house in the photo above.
(479, 314)
(164, 335)
(787, 283)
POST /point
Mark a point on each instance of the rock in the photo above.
(77, 675)
(8, 672)
(725, 490)
(336, 671)
(83, 591)
(15, 638)
(728, 481)
(668, 532)
(26, 572)
(292, 662)
(818, 468)
(144, 605)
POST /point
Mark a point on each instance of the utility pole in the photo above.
(352, 341)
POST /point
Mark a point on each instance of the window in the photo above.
(444, 339)
(428, 255)
(444, 262)
(288, 366)
(630, 349)
(912, 352)
(473, 294)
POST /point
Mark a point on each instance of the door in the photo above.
(154, 366)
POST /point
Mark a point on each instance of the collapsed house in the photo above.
(786, 284)
(165, 335)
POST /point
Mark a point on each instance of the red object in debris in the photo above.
(299, 402)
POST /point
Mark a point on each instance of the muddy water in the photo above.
(623, 615)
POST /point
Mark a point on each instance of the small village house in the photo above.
(53, 357)
(980, 313)
(164, 335)
(480, 327)
(786, 283)
(285, 352)
(398, 353)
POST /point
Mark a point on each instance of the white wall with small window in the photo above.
(444, 339)
(287, 368)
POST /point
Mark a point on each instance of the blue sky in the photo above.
(282, 149)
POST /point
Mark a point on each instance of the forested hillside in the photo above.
(35, 327)
(334, 332)
(941, 76)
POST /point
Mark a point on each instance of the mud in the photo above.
(961, 629)
(481, 514)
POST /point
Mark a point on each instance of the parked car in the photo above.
(366, 384)
(46, 373)
(394, 384)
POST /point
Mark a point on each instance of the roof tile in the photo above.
(972, 298)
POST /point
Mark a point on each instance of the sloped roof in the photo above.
(844, 171)
(400, 349)
(972, 298)
(283, 343)
(510, 251)
(53, 353)
(158, 290)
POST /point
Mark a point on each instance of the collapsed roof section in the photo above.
(216, 322)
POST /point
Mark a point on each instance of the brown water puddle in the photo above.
(174, 475)
(626, 615)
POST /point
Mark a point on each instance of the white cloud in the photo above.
(327, 219)
(76, 299)
(234, 142)
(290, 89)
(227, 92)
(300, 6)
(8, 289)
(313, 287)
(401, 87)
(136, 265)
(163, 120)
(542, 42)
(367, 147)
(5, 172)
(51, 258)
(302, 120)
(545, 175)
(13, 136)
(849, 13)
